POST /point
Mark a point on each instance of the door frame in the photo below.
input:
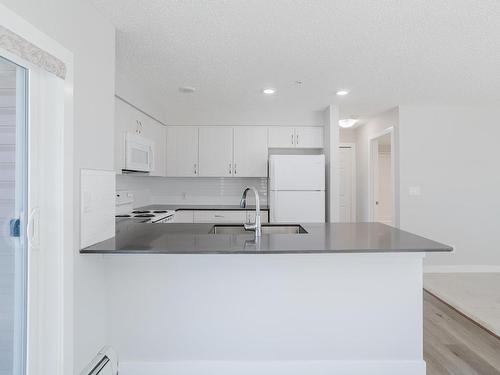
(50, 268)
(354, 179)
(373, 172)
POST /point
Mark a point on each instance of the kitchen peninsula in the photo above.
(331, 298)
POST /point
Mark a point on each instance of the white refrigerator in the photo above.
(297, 188)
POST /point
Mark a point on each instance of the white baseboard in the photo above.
(416, 367)
(462, 269)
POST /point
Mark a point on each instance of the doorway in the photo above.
(382, 192)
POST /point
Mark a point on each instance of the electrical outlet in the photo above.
(414, 191)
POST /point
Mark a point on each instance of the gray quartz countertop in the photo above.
(175, 238)
(192, 207)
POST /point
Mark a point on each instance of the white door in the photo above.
(216, 151)
(297, 206)
(250, 151)
(347, 187)
(281, 137)
(383, 198)
(309, 137)
(182, 151)
(297, 172)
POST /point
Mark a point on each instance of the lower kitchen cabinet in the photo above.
(218, 216)
(184, 216)
(232, 216)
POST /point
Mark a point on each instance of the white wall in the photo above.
(79, 28)
(134, 92)
(206, 190)
(452, 154)
(332, 139)
(347, 135)
(374, 126)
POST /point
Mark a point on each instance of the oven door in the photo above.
(139, 154)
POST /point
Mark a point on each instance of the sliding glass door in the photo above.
(13, 207)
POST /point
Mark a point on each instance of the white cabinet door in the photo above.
(217, 216)
(182, 216)
(182, 151)
(216, 151)
(281, 137)
(309, 137)
(250, 151)
(156, 133)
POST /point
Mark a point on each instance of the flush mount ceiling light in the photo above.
(342, 92)
(347, 122)
(269, 91)
(187, 89)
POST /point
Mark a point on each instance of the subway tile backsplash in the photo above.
(200, 190)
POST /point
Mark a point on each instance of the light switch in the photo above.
(414, 191)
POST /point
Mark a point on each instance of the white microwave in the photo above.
(139, 154)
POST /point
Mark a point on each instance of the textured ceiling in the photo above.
(385, 52)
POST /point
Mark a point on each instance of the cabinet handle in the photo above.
(195, 171)
(292, 138)
(234, 168)
(230, 169)
(297, 141)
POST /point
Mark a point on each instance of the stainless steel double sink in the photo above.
(266, 229)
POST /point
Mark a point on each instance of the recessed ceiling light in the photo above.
(342, 92)
(269, 91)
(347, 122)
(187, 89)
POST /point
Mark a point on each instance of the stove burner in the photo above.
(140, 212)
(144, 215)
(159, 211)
(123, 215)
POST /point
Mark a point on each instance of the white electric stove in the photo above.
(124, 209)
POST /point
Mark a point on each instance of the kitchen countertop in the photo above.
(176, 238)
(194, 207)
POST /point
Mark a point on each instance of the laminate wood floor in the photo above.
(454, 345)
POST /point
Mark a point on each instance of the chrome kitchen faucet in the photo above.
(243, 203)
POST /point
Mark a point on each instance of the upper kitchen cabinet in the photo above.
(130, 120)
(216, 151)
(299, 137)
(309, 137)
(281, 137)
(182, 151)
(250, 151)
